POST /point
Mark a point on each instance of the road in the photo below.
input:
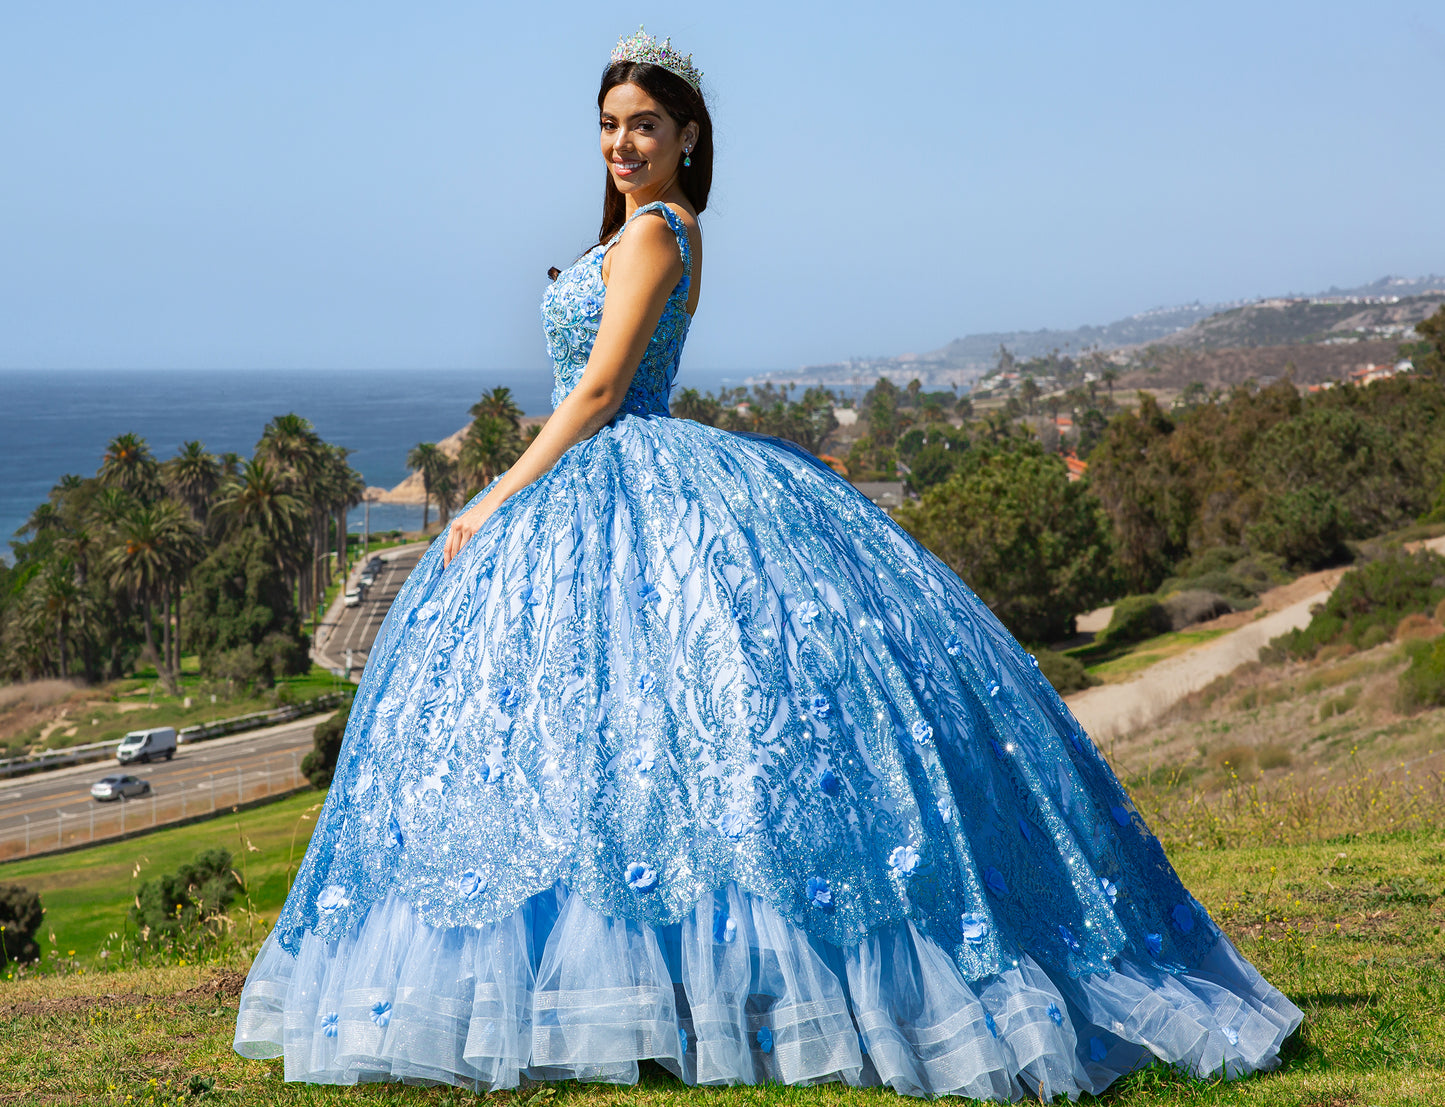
(200, 769)
(355, 628)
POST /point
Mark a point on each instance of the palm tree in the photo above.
(489, 447)
(59, 604)
(347, 489)
(193, 476)
(130, 466)
(290, 442)
(498, 402)
(259, 500)
(428, 460)
(153, 546)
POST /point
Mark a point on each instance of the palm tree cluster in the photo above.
(106, 567)
(493, 441)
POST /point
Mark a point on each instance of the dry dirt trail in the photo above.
(1112, 710)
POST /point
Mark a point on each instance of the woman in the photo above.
(675, 747)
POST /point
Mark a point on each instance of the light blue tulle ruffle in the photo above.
(734, 994)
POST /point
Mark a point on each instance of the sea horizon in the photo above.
(58, 421)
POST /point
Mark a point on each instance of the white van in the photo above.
(147, 745)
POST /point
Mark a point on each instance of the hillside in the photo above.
(1381, 310)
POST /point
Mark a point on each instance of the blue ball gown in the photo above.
(692, 754)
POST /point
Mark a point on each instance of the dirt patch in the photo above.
(1277, 599)
(223, 984)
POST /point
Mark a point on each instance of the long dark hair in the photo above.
(685, 105)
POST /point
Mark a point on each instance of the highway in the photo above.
(356, 627)
(217, 768)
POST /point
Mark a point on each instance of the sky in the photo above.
(310, 184)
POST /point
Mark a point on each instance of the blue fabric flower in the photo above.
(1183, 918)
(682, 1038)
(820, 705)
(765, 1040)
(993, 689)
(1056, 1014)
(1232, 1034)
(922, 732)
(820, 895)
(807, 611)
(945, 810)
(332, 899)
(508, 696)
(1067, 937)
(647, 592)
(1121, 815)
(646, 683)
(1034, 661)
(640, 877)
(974, 926)
(394, 836)
(1097, 1049)
(381, 1013)
(953, 644)
(995, 881)
(328, 1023)
(1110, 888)
(1155, 942)
(904, 859)
(829, 784)
(471, 884)
(526, 592)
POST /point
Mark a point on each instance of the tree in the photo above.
(320, 764)
(242, 614)
(175, 904)
(489, 447)
(1034, 546)
(193, 476)
(152, 547)
(130, 466)
(1429, 356)
(20, 916)
(433, 465)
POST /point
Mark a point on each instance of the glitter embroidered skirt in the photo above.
(693, 754)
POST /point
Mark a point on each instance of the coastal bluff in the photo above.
(410, 490)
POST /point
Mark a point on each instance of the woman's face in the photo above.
(641, 143)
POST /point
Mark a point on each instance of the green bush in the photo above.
(183, 905)
(320, 764)
(1369, 603)
(1135, 618)
(1067, 674)
(1423, 683)
(20, 915)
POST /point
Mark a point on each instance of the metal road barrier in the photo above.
(166, 803)
(99, 751)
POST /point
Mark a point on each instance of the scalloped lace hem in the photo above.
(734, 994)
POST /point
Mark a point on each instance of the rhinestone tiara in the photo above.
(642, 47)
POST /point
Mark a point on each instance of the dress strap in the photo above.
(674, 221)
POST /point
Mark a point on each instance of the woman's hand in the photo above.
(464, 526)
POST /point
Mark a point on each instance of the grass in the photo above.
(109, 711)
(1115, 664)
(1348, 927)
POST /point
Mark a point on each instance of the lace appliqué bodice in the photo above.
(572, 311)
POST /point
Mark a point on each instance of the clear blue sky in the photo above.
(362, 184)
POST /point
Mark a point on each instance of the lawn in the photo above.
(1113, 664)
(1349, 928)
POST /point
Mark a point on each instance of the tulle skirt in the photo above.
(733, 994)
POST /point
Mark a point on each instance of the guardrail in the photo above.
(169, 803)
(99, 751)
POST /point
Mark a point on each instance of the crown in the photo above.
(642, 47)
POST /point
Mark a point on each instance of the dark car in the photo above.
(119, 786)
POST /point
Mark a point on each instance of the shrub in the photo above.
(1423, 683)
(20, 915)
(1416, 626)
(1067, 674)
(178, 905)
(1194, 606)
(320, 764)
(1275, 757)
(1135, 618)
(1369, 603)
(1304, 526)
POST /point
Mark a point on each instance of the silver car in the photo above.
(119, 786)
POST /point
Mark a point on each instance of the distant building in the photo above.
(1076, 468)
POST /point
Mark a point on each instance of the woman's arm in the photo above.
(645, 266)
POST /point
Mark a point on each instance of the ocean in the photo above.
(58, 422)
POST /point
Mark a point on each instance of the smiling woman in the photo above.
(677, 748)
